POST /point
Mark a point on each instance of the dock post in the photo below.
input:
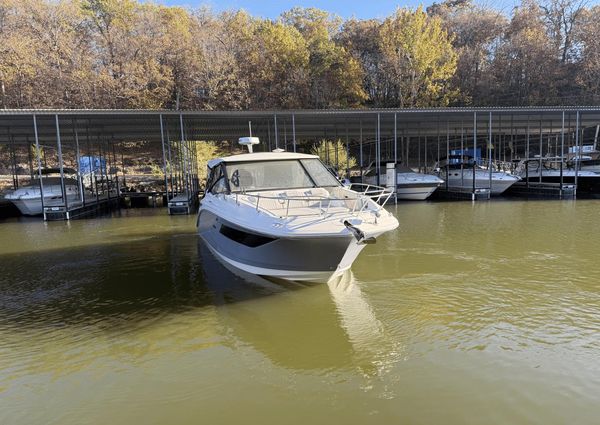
(462, 152)
(39, 162)
(447, 154)
(541, 151)
(347, 153)
(577, 150)
(562, 152)
(162, 140)
(60, 165)
(490, 149)
(474, 151)
(527, 155)
(395, 157)
(78, 156)
(294, 131)
(276, 132)
(378, 150)
(360, 142)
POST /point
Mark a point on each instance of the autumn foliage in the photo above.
(129, 54)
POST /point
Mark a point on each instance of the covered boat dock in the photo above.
(418, 138)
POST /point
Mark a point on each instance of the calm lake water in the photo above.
(468, 314)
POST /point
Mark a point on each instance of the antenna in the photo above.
(248, 141)
(250, 127)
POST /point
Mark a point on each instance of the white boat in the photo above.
(283, 215)
(547, 170)
(410, 185)
(458, 172)
(28, 198)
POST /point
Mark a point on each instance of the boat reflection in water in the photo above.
(317, 327)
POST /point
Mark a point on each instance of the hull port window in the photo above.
(249, 239)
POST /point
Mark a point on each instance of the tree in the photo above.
(335, 76)
(130, 72)
(524, 65)
(361, 40)
(476, 34)
(588, 36)
(274, 58)
(419, 59)
(334, 153)
(562, 17)
(205, 151)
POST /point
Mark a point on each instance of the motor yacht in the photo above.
(28, 198)
(458, 171)
(284, 215)
(410, 185)
(547, 170)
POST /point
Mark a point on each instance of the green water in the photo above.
(468, 314)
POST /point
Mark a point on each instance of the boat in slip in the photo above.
(409, 184)
(284, 215)
(28, 198)
(461, 172)
(548, 170)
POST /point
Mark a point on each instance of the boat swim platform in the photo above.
(542, 190)
(92, 208)
(183, 203)
(460, 194)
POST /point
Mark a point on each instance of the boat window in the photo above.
(268, 175)
(319, 173)
(216, 180)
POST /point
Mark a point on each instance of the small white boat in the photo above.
(28, 198)
(283, 215)
(410, 185)
(458, 171)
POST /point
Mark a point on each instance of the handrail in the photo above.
(360, 202)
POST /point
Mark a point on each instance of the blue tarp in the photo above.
(89, 164)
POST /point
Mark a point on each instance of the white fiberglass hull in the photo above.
(33, 206)
(411, 186)
(28, 199)
(415, 193)
(500, 181)
(316, 258)
(294, 275)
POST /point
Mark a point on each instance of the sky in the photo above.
(345, 8)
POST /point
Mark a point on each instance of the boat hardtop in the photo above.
(260, 156)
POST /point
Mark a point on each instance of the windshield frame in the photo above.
(227, 166)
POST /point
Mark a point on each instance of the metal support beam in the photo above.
(60, 165)
(39, 161)
(164, 154)
(294, 131)
(276, 133)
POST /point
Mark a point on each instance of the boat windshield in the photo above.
(273, 175)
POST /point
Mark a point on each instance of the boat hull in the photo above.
(585, 184)
(33, 206)
(415, 191)
(466, 183)
(28, 206)
(315, 259)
